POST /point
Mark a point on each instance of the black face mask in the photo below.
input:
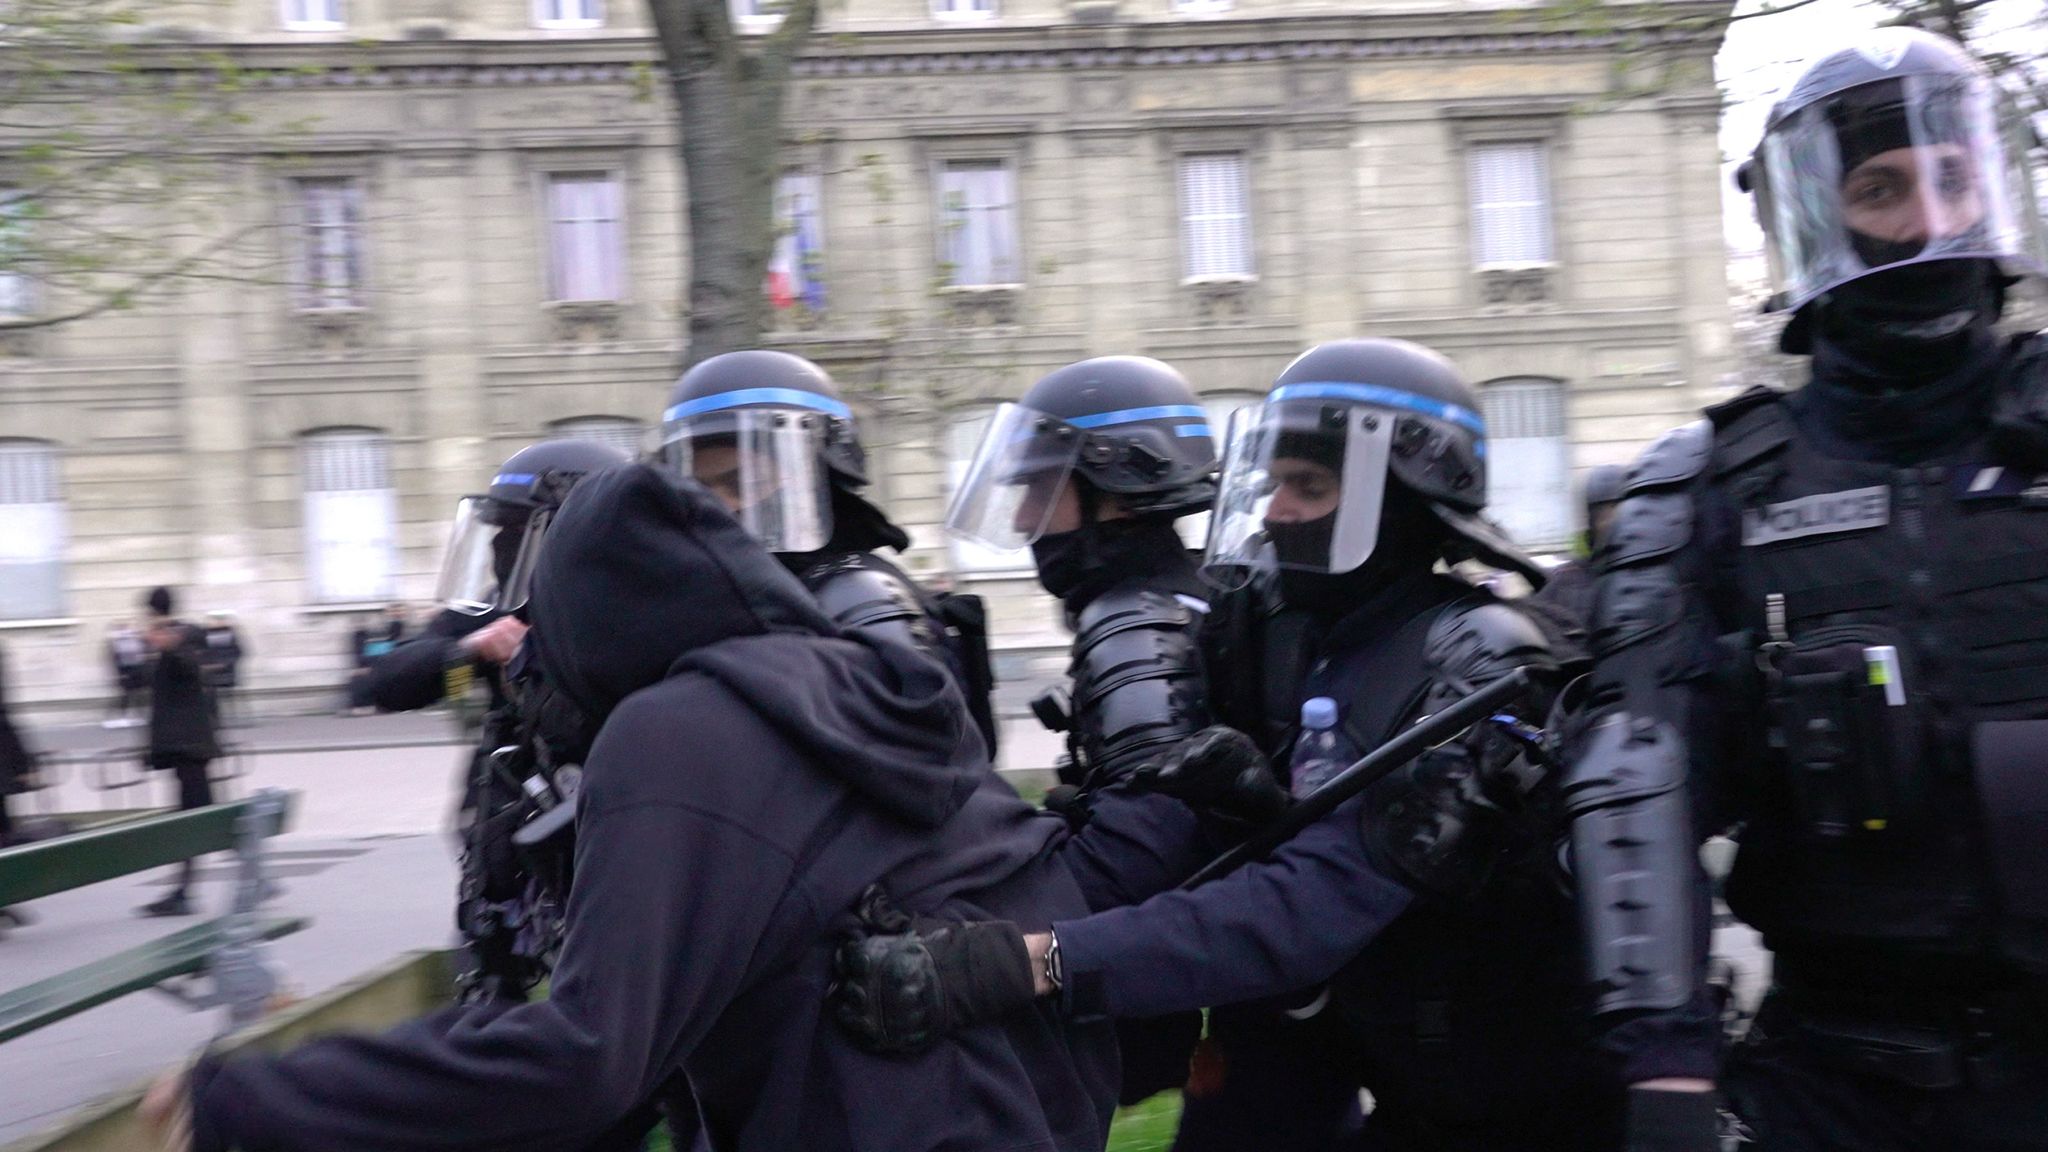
(1078, 566)
(1410, 539)
(1914, 322)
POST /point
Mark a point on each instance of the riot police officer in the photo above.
(1871, 551)
(492, 547)
(1421, 928)
(768, 433)
(1568, 593)
(1092, 469)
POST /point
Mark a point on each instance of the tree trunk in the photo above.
(729, 103)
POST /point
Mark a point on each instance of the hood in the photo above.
(645, 577)
(640, 570)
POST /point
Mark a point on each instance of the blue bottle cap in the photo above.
(1319, 712)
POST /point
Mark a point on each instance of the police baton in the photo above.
(1425, 734)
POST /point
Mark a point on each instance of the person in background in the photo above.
(224, 654)
(182, 738)
(16, 765)
(128, 658)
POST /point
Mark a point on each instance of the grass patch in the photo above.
(1146, 1127)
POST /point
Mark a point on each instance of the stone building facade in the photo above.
(480, 208)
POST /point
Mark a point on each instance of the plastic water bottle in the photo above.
(1317, 754)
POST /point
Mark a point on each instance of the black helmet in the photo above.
(1911, 115)
(541, 475)
(1130, 425)
(705, 397)
(489, 539)
(1366, 410)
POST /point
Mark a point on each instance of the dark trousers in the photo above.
(195, 790)
(1272, 1085)
(1795, 1095)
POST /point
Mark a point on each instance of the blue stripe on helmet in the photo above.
(761, 397)
(511, 478)
(1383, 396)
(1133, 415)
(1192, 430)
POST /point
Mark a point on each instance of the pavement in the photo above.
(367, 859)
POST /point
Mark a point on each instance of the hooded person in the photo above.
(753, 775)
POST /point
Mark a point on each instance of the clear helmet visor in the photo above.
(1901, 172)
(766, 465)
(1012, 490)
(1301, 488)
(483, 546)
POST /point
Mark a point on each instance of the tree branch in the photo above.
(119, 298)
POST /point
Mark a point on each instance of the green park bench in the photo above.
(229, 952)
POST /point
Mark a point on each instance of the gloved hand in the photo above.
(1220, 773)
(905, 984)
(1662, 1120)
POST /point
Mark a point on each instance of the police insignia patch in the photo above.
(1818, 515)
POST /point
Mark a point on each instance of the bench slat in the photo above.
(182, 953)
(47, 867)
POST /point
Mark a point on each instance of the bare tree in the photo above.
(730, 90)
(109, 158)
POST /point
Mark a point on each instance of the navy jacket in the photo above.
(753, 774)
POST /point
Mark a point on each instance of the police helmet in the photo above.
(493, 530)
(1340, 421)
(1130, 426)
(1897, 150)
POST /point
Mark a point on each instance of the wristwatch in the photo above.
(1054, 972)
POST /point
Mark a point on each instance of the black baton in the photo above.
(1425, 734)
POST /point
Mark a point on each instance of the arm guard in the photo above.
(874, 602)
(1137, 681)
(1439, 823)
(1633, 839)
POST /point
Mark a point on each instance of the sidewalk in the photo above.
(324, 732)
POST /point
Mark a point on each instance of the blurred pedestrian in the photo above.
(17, 766)
(181, 724)
(128, 658)
(223, 665)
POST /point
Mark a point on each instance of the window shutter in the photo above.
(31, 532)
(351, 515)
(1510, 192)
(1214, 220)
(624, 434)
(1528, 465)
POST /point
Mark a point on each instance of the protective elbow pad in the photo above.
(1633, 858)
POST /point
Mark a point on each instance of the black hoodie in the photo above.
(753, 773)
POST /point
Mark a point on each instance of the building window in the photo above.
(1528, 461)
(351, 515)
(17, 287)
(585, 249)
(618, 431)
(796, 266)
(963, 436)
(1194, 530)
(31, 532)
(314, 15)
(978, 224)
(1510, 204)
(963, 9)
(757, 15)
(1215, 226)
(568, 13)
(327, 250)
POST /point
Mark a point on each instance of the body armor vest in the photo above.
(1896, 615)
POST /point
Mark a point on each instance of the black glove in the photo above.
(1219, 773)
(905, 984)
(1668, 1121)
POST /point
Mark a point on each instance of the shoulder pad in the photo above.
(1648, 525)
(1748, 428)
(1124, 608)
(1677, 456)
(857, 596)
(1478, 640)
